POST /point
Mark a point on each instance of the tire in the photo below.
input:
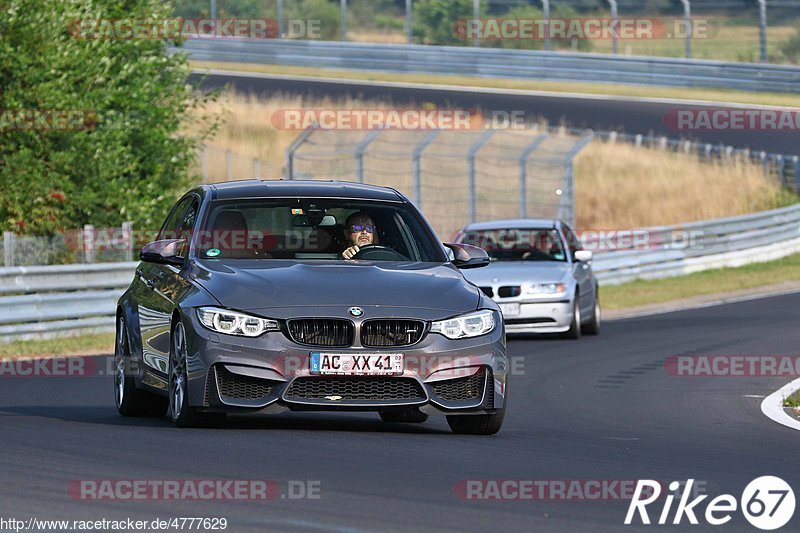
(129, 400)
(476, 424)
(410, 416)
(574, 331)
(180, 412)
(593, 327)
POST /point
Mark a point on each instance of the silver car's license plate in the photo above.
(509, 309)
(356, 364)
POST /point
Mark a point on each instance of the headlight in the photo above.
(546, 288)
(465, 326)
(232, 323)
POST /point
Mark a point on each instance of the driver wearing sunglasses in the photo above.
(359, 231)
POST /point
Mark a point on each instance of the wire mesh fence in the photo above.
(455, 177)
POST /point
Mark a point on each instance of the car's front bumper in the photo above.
(539, 317)
(271, 373)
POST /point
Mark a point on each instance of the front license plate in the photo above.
(356, 364)
(509, 309)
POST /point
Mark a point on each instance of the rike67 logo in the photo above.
(767, 503)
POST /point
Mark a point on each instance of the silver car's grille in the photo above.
(509, 291)
(235, 387)
(326, 332)
(356, 388)
(460, 389)
(383, 333)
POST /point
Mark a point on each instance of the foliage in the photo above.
(124, 159)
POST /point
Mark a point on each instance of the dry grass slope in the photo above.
(617, 185)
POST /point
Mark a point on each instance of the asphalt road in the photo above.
(618, 114)
(595, 409)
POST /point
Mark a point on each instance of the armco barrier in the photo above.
(51, 300)
(498, 62)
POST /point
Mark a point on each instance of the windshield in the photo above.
(315, 229)
(517, 244)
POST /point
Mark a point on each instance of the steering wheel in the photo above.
(376, 252)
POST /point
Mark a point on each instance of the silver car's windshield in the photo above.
(314, 229)
(518, 244)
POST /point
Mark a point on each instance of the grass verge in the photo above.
(637, 293)
(792, 400)
(713, 95)
(89, 344)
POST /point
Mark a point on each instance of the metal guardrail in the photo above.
(53, 300)
(499, 62)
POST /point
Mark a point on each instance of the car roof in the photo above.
(514, 223)
(230, 190)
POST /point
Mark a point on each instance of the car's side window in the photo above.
(187, 224)
(172, 225)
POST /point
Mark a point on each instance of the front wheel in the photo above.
(574, 331)
(593, 327)
(476, 424)
(129, 400)
(180, 412)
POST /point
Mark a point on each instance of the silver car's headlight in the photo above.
(465, 326)
(233, 323)
(546, 288)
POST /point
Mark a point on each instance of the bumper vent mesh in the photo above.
(356, 388)
(235, 387)
(460, 389)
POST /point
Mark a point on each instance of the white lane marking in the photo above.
(491, 90)
(753, 396)
(772, 406)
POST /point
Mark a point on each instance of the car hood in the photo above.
(517, 272)
(251, 285)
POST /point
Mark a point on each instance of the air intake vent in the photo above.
(325, 332)
(383, 333)
(355, 388)
(460, 389)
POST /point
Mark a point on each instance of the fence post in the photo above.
(615, 36)
(289, 156)
(473, 151)
(779, 166)
(228, 165)
(127, 234)
(546, 17)
(88, 244)
(687, 16)
(762, 28)
(416, 166)
(567, 190)
(476, 14)
(361, 147)
(796, 161)
(343, 7)
(203, 174)
(280, 19)
(8, 248)
(256, 168)
(523, 173)
(409, 22)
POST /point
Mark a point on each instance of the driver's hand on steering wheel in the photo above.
(350, 252)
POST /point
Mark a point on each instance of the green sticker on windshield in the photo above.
(214, 252)
(558, 256)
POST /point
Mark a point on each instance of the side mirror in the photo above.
(468, 256)
(584, 256)
(165, 252)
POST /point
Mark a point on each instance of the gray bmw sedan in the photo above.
(267, 296)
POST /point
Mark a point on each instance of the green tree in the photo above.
(128, 159)
(439, 21)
